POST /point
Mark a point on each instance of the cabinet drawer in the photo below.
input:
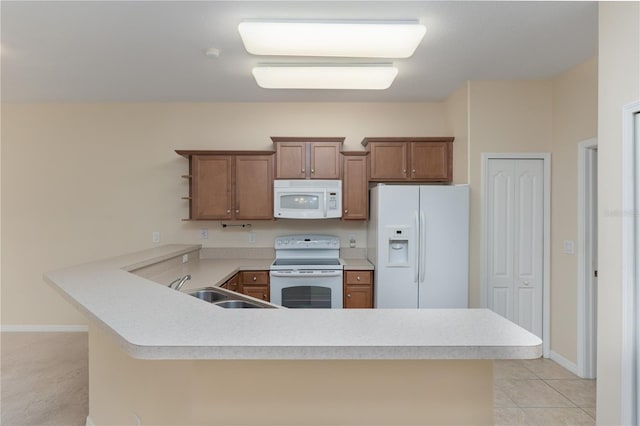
(255, 277)
(358, 277)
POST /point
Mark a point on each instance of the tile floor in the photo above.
(536, 392)
(541, 392)
(45, 379)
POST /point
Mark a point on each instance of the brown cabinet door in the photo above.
(431, 161)
(211, 187)
(291, 160)
(324, 160)
(388, 161)
(258, 291)
(358, 297)
(255, 284)
(355, 189)
(254, 187)
(358, 290)
(233, 283)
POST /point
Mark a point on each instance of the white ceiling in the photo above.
(148, 51)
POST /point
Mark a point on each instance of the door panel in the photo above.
(445, 260)
(500, 226)
(501, 301)
(398, 206)
(526, 308)
(515, 213)
(528, 247)
(254, 187)
(212, 185)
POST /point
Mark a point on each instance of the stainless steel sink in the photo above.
(210, 295)
(225, 298)
(238, 304)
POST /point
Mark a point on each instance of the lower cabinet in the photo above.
(255, 284)
(358, 290)
(232, 283)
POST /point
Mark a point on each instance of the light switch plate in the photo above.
(569, 247)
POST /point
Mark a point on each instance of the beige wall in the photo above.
(457, 109)
(575, 118)
(504, 116)
(86, 181)
(618, 85)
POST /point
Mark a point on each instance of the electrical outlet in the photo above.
(252, 237)
(352, 240)
(204, 233)
(185, 258)
(155, 237)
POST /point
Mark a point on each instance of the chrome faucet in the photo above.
(180, 282)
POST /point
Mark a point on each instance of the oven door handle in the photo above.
(314, 274)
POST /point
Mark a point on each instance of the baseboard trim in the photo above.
(571, 366)
(44, 328)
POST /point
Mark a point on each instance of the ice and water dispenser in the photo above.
(398, 245)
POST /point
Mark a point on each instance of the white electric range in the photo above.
(307, 272)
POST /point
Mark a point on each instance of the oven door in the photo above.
(307, 288)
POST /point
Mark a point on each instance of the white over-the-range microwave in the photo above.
(307, 199)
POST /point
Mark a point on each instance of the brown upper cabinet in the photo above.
(230, 185)
(428, 159)
(307, 158)
(355, 190)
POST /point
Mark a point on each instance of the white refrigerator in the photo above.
(418, 240)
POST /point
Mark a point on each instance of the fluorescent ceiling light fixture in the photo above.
(356, 39)
(348, 77)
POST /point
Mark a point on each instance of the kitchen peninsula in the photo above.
(159, 356)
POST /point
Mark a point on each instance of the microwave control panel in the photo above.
(332, 200)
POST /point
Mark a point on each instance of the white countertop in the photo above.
(151, 321)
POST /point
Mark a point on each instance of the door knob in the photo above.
(302, 171)
(313, 171)
(348, 294)
(525, 282)
(237, 211)
(228, 211)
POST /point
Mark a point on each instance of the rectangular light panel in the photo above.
(370, 77)
(393, 39)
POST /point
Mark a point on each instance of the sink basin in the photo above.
(238, 304)
(209, 295)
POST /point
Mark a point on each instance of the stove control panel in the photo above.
(293, 242)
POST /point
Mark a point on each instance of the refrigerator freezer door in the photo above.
(395, 211)
(445, 255)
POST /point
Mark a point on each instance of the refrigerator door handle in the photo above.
(423, 244)
(416, 248)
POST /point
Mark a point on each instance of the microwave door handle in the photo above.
(325, 203)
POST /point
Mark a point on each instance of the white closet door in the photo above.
(515, 240)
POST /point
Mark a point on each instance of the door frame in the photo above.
(630, 392)
(587, 305)
(546, 242)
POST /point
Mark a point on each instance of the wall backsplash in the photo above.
(266, 232)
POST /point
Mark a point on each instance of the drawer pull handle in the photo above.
(255, 278)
